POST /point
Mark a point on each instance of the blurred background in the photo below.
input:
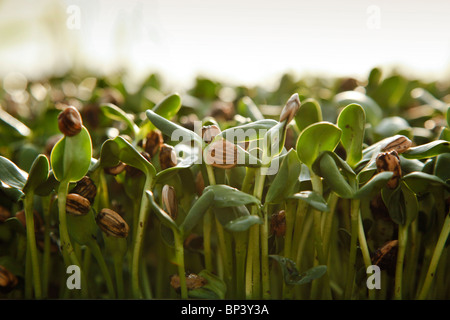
(239, 42)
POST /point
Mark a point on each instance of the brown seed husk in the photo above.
(8, 280)
(153, 142)
(70, 122)
(209, 133)
(278, 223)
(290, 109)
(401, 144)
(386, 257)
(77, 205)
(86, 188)
(135, 172)
(222, 154)
(114, 171)
(167, 157)
(193, 281)
(169, 199)
(199, 183)
(390, 161)
(112, 223)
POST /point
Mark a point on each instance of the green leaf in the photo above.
(351, 121)
(172, 130)
(38, 174)
(186, 157)
(168, 107)
(225, 215)
(226, 196)
(411, 204)
(286, 178)
(445, 134)
(318, 137)
(273, 142)
(427, 150)
(108, 155)
(374, 113)
(13, 124)
(308, 113)
(82, 229)
(71, 157)
(401, 204)
(374, 185)
(334, 170)
(312, 198)
(161, 214)
(48, 186)
(248, 132)
(12, 175)
(421, 182)
(197, 211)
(13, 194)
(442, 166)
(128, 154)
(291, 274)
(243, 223)
(118, 149)
(113, 112)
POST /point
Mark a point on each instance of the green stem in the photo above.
(226, 257)
(290, 221)
(263, 237)
(332, 202)
(256, 269)
(67, 249)
(301, 231)
(249, 266)
(402, 240)
(365, 250)
(161, 268)
(31, 236)
(435, 259)
(28, 276)
(354, 214)
(265, 271)
(207, 225)
(248, 179)
(179, 254)
(363, 243)
(207, 241)
(46, 202)
(211, 177)
(139, 239)
(241, 245)
(147, 290)
(318, 239)
(87, 259)
(96, 252)
(118, 269)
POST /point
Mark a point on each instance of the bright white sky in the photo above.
(243, 42)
